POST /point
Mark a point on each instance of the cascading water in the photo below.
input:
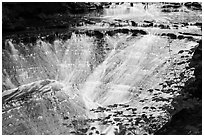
(107, 78)
(69, 63)
(65, 61)
(78, 64)
(100, 78)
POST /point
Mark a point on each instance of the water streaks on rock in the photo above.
(126, 73)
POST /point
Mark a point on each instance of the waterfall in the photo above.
(64, 61)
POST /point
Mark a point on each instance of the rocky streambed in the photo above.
(134, 71)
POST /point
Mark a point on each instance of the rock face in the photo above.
(187, 120)
(43, 107)
(193, 5)
(196, 62)
(119, 76)
(38, 16)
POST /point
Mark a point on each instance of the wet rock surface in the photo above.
(41, 107)
(122, 75)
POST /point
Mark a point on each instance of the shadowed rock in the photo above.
(98, 34)
(138, 32)
(133, 23)
(162, 26)
(193, 5)
(180, 37)
(171, 35)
